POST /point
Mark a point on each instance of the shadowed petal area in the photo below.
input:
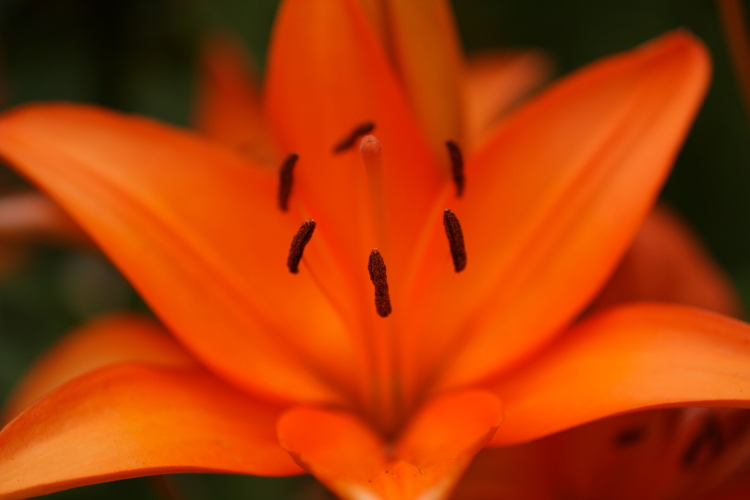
(624, 359)
(347, 455)
(652, 455)
(197, 231)
(667, 262)
(327, 74)
(559, 192)
(116, 338)
(132, 420)
(229, 107)
(496, 81)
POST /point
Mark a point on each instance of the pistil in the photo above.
(371, 151)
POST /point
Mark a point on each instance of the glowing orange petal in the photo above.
(198, 233)
(111, 339)
(427, 53)
(555, 197)
(327, 74)
(350, 458)
(229, 107)
(668, 263)
(136, 420)
(624, 359)
(498, 80)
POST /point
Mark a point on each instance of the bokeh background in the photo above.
(140, 56)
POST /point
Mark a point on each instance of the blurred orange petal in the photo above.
(228, 104)
(32, 217)
(498, 80)
(668, 263)
(115, 338)
(132, 420)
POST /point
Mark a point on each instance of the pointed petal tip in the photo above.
(683, 43)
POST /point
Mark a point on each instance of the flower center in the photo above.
(386, 402)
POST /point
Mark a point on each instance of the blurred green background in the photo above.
(139, 56)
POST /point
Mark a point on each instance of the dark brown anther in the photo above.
(285, 180)
(630, 437)
(350, 140)
(376, 266)
(708, 444)
(457, 166)
(455, 239)
(299, 242)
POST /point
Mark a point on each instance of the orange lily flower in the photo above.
(300, 371)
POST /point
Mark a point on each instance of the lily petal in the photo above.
(668, 263)
(624, 359)
(498, 80)
(115, 338)
(327, 73)
(424, 44)
(133, 420)
(192, 227)
(559, 192)
(32, 217)
(229, 108)
(347, 455)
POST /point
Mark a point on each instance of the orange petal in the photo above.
(347, 455)
(132, 420)
(427, 54)
(554, 199)
(228, 107)
(498, 80)
(106, 341)
(624, 359)
(198, 233)
(327, 73)
(668, 263)
(32, 217)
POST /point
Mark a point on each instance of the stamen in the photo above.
(351, 139)
(376, 267)
(457, 166)
(455, 239)
(285, 180)
(299, 242)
